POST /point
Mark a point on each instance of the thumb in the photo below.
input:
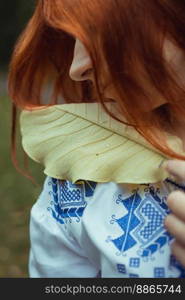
(175, 167)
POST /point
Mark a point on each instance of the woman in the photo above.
(119, 66)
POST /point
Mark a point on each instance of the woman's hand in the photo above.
(175, 222)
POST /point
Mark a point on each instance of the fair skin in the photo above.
(81, 69)
(175, 222)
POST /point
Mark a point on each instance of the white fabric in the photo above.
(105, 229)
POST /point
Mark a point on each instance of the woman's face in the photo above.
(81, 66)
(81, 69)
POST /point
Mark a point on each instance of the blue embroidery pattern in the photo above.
(71, 194)
(121, 268)
(134, 262)
(159, 237)
(69, 199)
(127, 223)
(164, 238)
(159, 272)
(155, 220)
(142, 223)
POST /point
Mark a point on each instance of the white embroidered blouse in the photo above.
(102, 208)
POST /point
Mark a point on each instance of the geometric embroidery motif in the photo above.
(121, 268)
(74, 194)
(159, 237)
(69, 199)
(159, 272)
(142, 223)
(151, 212)
(158, 243)
(70, 194)
(127, 223)
(155, 220)
(134, 262)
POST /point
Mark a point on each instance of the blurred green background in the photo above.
(17, 193)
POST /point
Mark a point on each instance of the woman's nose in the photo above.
(81, 67)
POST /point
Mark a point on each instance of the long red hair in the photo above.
(127, 35)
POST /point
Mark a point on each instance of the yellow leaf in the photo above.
(82, 142)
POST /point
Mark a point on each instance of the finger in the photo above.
(175, 167)
(176, 227)
(176, 203)
(178, 251)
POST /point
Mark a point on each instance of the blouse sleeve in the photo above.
(54, 252)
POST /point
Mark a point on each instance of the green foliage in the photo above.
(17, 195)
